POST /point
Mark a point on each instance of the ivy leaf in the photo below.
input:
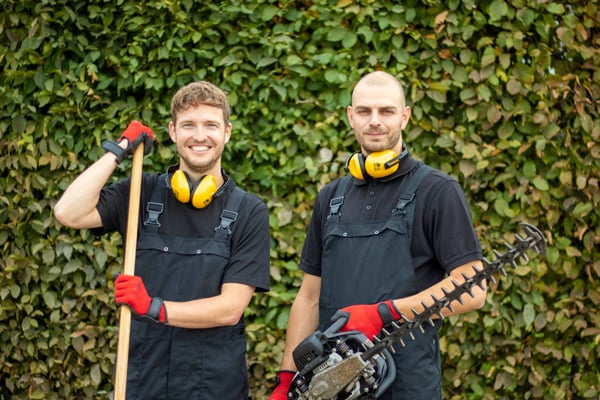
(493, 115)
(268, 12)
(526, 16)
(265, 61)
(349, 40)
(467, 168)
(469, 150)
(71, 266)
(528, 314)
(501, 206)
(50, 299)
(336, 34)
(529, 169)
(498, 9)
(513, 86)
(541, 184)
(556, 8)
(96, 374)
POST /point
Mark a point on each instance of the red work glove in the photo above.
(131, 291)
(135, 133)
(282, 387)
(368, 319)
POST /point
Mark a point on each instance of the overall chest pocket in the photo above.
(363, 264)
(180, 268)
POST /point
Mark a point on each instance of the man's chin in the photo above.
(375, 147)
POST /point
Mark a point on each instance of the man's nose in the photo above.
(375, 119)
(199, 133)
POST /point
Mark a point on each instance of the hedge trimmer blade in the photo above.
(398, 330)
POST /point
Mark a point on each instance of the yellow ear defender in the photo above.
(376, 165)
(200, 195)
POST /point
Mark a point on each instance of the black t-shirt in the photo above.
(250, 238)
(443, 237)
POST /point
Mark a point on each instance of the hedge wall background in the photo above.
(505, 97)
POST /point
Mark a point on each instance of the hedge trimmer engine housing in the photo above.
(335, 365)
(331, 366)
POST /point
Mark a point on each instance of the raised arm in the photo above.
(77, 206)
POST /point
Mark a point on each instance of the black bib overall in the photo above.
(175, 363)
(371, 262)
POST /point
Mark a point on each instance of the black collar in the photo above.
(406, 165)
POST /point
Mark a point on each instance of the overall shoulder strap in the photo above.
(230, 213)
(155, 205)
(409, 193)
(338, 198)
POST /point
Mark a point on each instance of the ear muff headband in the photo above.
(199, 195)
(376, 165)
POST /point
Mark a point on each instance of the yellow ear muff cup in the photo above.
(375, 164)
(204, 192)
(185, 192)
(355, 166)
(181, 186)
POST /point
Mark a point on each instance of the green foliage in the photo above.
(504, 96)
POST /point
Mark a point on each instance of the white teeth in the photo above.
(199, 148)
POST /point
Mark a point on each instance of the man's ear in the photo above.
(228, 130)
(172, 132)
(406, 116)
(349, 115)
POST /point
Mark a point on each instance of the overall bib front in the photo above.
(368, 263)
(177, 363)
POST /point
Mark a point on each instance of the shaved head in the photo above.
(379, 78)
(378, 113)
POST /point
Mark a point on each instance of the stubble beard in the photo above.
(389, 141)
(200, 167)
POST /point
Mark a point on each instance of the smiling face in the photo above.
(378, 113)
(200, 128)
(200, 133)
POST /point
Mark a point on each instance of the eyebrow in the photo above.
(362, 107)
(207, 121)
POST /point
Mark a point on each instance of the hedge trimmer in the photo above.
(334, 365)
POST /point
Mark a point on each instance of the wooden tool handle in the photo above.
(129, 269)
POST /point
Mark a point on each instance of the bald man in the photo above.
(377, 257)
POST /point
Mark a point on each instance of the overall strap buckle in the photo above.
(338, 197)
(230, 213)
(228, 217)
(154, 210)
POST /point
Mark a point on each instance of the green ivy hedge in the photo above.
(505, 99)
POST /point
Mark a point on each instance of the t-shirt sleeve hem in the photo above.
(464, 259)
(310, 270)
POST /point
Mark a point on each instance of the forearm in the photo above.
(303, 321)
(77, 206)
(469, 303)
(225, 309)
